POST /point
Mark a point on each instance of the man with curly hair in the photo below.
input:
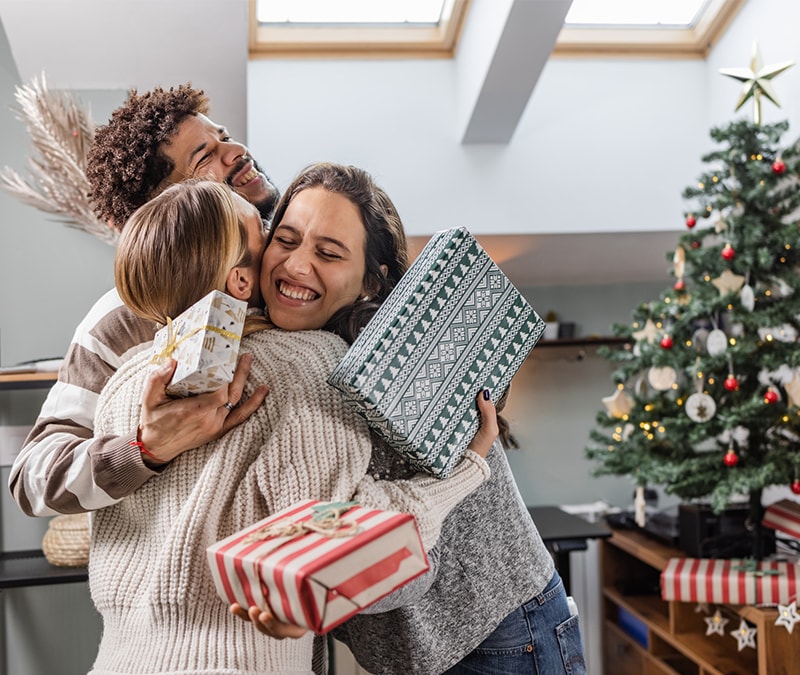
(153, 140)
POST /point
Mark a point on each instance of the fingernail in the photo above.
(486, 395)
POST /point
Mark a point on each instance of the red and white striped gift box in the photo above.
(729, 581)
(313, 579)
(784, 517)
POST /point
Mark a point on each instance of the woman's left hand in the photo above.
(268, 624)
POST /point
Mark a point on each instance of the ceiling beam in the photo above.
(505, 46)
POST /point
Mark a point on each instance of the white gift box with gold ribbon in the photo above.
(204, 340)
(316, 564)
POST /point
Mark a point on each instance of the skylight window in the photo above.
(431, 28)
(424, 28)
(357, 12)
(635, 13)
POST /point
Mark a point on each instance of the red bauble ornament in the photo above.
(770, 396)
(727, 252)
(666, 342)
(691, 221)
(731, 458)
(679, 285)
(795, 486)
(695, 244)
(778, 167)
(731, 383)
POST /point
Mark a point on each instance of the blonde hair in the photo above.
(177, 248)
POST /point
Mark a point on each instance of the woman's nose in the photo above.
(298, 262)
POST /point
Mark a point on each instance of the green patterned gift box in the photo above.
(453, 325)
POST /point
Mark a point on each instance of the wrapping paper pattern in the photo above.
(729, 582)
(784, 517)
(204, 340)
(453, 325)
(312, 579)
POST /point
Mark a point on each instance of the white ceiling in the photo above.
(578, 259)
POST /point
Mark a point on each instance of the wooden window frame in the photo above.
(370, 41)
(694, 42)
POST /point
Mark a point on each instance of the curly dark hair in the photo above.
(124, 165)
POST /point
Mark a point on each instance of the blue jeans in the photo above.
(540, 637)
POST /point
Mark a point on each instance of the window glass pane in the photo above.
(680, 13)
(350, 11)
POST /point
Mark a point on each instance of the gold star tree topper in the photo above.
(756, 81)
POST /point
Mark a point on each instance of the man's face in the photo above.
(200, 148)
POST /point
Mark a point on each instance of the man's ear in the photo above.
(239, 284)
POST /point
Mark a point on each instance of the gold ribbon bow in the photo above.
(326, 521)
(172, 341)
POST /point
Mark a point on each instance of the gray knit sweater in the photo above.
(489, 560)
(148, 573)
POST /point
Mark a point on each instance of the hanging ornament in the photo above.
(727, 252)
(731, 383)
(731, 458)
(662, 378)
(779, 167)
(695, 244)
(679, 262)
(745, 635)
(717, 342)
(728, 282)
(788, 616)
(748, 297)
(793, 389)
(720, 226)
(700, 407)
(700, 340)
(771, 396)
(666, 342)
(649, 333)
(618, 404)
(639, 507)
(716, 624)
(679, 285)
(795, 486)
(691, 221)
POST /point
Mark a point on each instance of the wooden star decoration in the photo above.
(745, 636)
(728, 282)
(648, 333)
(618, 404)
(715, 624)
(788, 616)
(756, 81)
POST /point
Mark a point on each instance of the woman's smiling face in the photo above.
(315, 263)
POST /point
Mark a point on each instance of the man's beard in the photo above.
(266, 206)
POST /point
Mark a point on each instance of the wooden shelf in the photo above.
(582, 342)
(645, 634)
(37, 380)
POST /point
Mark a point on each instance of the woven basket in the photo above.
(66, 542)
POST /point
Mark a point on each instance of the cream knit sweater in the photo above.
(148, 573)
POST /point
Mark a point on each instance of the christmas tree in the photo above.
(708, 385)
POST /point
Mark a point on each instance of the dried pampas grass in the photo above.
(62, 131)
